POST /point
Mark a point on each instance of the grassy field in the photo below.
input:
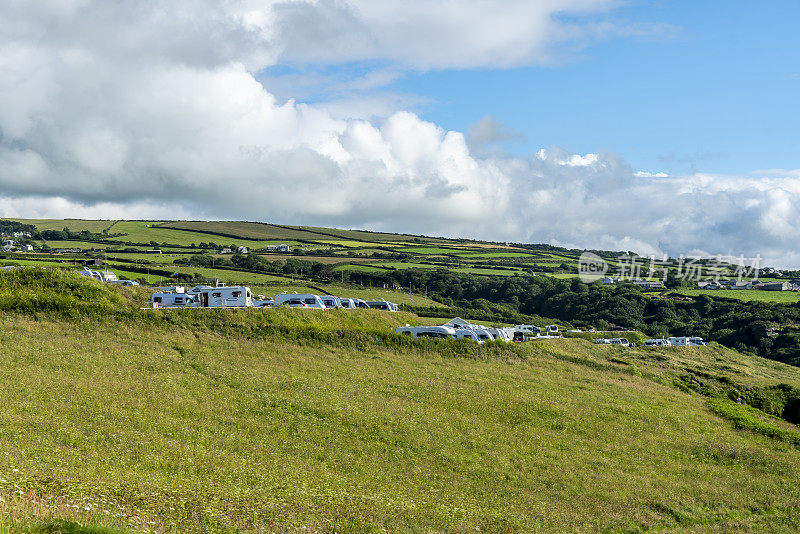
(144, 232)
(743, 294)
(364, 268)
(249, 230)
(486, 272)
(116, 419)
(243, 422)
(75, 225)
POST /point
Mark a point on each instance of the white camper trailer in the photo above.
(331, 302)
(502, 334)
(551, 328)
(263, 302)
(657, 343)
(102, 276)
(124, 282)
(686, 341)
(472, 335)
(527, 329)
(299, 300)
(173, 300)
(222, 297)
(435, 332)
(347, 304)
(619, 341)
(381, 305)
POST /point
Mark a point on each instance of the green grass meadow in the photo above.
(116, 419)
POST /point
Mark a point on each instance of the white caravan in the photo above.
(602, 341)
(657, 343)
(102, 276)
(347, 304)
(331, 302)
(124, 282)
(263, 302)
(686, 341)
(478, 336)
(299, 300)
(502, 334)
(173, 300)
(382, 304)
(551, 328)
(222, 296)
(619, 341)
(435, 332)
(528, 329)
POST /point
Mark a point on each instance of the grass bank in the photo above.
(185, 424)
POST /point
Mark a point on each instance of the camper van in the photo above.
(222, 296)
(381, 305)
(657, 343)
(483, 333)
(477, 336)
(102, 276)
(458, 328)
(124, 282)
(173, 300)
(551, 328)
(686, 341)
(347, 304)
(619, 341)
(260, 301)
(435, 332)
(299, 300)
(502, 334)
(528, 329)
(331, 302)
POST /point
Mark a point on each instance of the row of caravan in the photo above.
(324, 302)
(668, 342)
(676, 342)
(221, 296)
(204, 297)
(458, 329)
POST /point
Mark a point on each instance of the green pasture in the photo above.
(74, 225)
(325, 421)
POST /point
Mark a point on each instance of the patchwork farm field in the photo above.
(352, 253)
(318, 257)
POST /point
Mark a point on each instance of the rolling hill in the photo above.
(117, 419)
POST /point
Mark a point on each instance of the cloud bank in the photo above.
(154, 110)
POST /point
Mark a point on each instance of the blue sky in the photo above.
(713, 88)
(721, 94)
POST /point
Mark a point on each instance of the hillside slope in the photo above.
(206, 420)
